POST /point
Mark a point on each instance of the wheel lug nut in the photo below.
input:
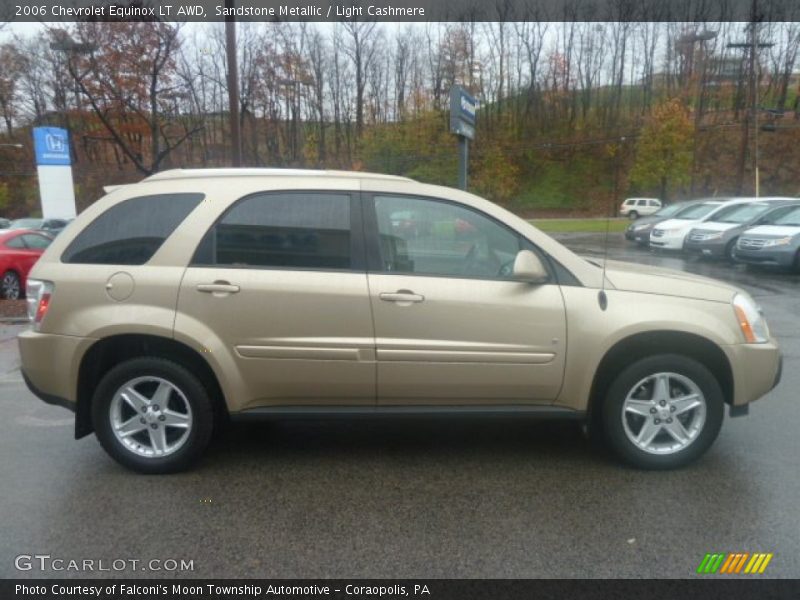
(144, 409)
(653, 411)
(657, 421)
(155, 407)
(663, 403)
(162, 418)
(671, 409)
(669, 420)
(142, 420)
(154, 425)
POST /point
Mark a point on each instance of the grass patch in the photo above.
(580, 225)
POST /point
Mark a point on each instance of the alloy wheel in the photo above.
(664, 413)
(151, 417)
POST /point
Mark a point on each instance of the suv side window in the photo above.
(642, 203)
(36, 241)
(432, 237)
(303, 230)
(15, 242)
(130, 233)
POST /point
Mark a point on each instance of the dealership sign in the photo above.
(462, 112)
(54, 167)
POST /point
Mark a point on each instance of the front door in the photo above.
(451, 325)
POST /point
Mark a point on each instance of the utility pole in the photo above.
(752, 46)
(233, 86)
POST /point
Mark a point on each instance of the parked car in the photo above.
(4, 224)
(671, 234)
(716, 237)
(50, 226)
(639, 230)
(775, 241)
(19, 250)
(157, 315)
(634, 208)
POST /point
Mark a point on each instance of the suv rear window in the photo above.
(130, 233)
(302, 230)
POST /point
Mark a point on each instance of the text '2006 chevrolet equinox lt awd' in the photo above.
(174, 303)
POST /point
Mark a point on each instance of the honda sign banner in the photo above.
(54, 166)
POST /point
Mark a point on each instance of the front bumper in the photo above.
(667, 243)
(756, 370)
(766, 256)
(710, 248)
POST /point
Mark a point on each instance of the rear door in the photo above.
(279, 285)
(451, 325)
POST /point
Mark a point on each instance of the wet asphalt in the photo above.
(414, 498)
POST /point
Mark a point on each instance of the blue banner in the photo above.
(52, 146)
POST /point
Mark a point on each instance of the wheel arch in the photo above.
(110, 351)
(650, 343)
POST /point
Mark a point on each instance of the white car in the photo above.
(634, 208)
(671, 234)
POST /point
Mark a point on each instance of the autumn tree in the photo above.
(126, 73)
(12, 62)
(664, 150)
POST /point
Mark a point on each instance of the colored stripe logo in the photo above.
(734, 563)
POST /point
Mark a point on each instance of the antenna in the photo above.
(602, 297)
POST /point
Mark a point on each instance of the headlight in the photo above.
(778, 242)
(751, 320)
(640, 227)
(713, 236)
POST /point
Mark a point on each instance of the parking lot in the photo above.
(415, 498)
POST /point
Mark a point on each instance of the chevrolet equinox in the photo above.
(193, 296)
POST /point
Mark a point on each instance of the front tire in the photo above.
(663, 412)
(152, 415)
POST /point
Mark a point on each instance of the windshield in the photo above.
(791, 218)
(696, 211)
(668, 211)
(741, 213)
(26, 224)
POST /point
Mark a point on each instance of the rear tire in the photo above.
(152, 415)
(11, 286)
(633, 215)
(662, 412)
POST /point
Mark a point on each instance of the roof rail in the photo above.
(251, 172)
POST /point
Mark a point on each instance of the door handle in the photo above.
(401, 297)
(218, 287)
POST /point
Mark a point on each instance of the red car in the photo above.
(19, 251)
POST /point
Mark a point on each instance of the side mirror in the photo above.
(528, 268)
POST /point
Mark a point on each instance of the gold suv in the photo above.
(193, 296)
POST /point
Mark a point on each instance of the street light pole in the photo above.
(233, 85)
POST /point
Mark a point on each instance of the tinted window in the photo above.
(300, 230)
(696, 211)
(438, 238)
(791, 218)
(642, 203)
(15, 242)
(26, 224)
(36, 241)
(130, 233)
(740, 213)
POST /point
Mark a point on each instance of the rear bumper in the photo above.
(48, 398)
(50, 365)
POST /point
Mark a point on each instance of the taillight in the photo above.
(38, 294)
